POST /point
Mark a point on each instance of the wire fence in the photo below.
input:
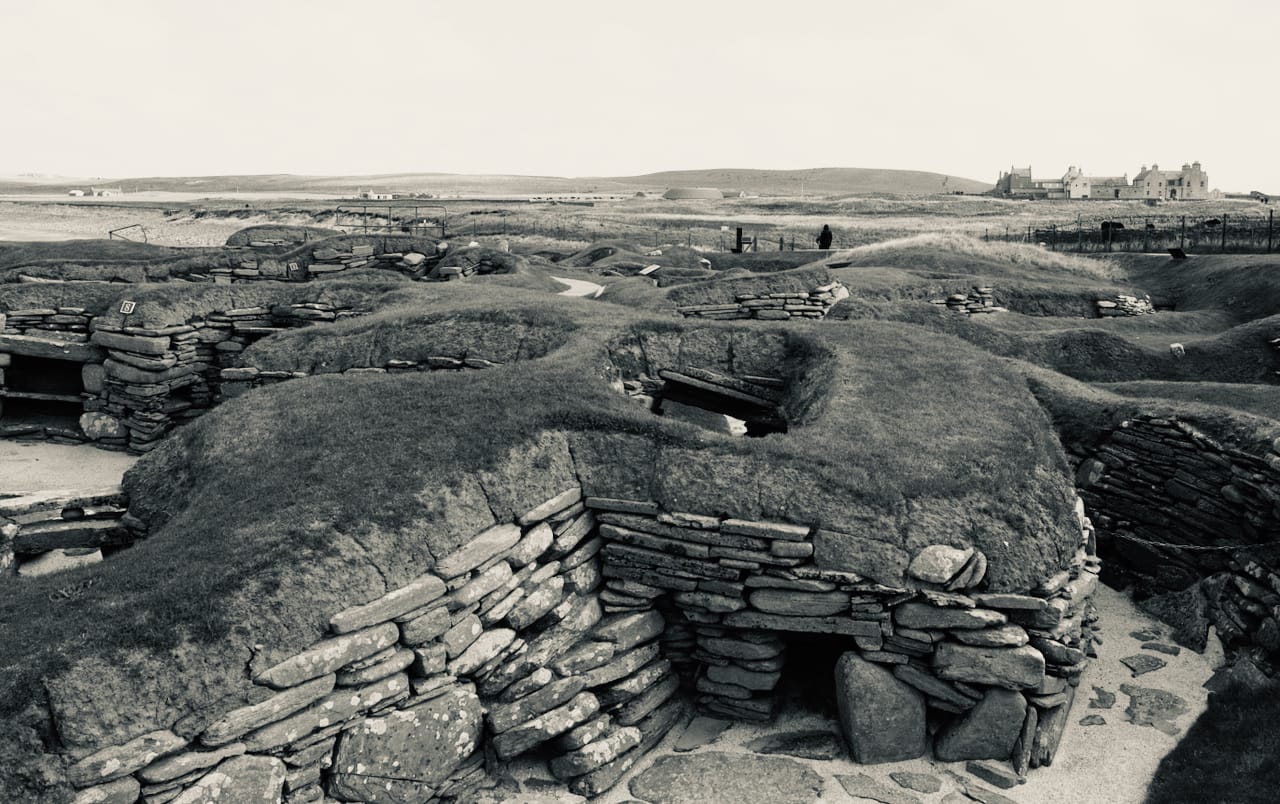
(1223, 234)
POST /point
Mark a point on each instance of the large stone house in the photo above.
(1150, 183)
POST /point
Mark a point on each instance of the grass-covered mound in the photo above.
(102, 261)
(1259, 400)
(274, 233)
(308, 496)
(518, 330)
(1230, 755)
(1243, 287)
(957, 253)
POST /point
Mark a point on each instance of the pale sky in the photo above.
(598, 87)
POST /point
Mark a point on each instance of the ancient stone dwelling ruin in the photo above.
(576, 576)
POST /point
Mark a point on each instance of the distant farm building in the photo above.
(372, 196)
(1150, 184)
(105, 192)
(692, 194)
(76, 193)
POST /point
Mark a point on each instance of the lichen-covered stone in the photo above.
(547, 725)
(939, 563)
(883, 719)
(987, 731)
(409, 753)
(413, 595)
(242, 778)
(171, 767)
(487, 544)
(333, 709)
(121, 791)
(1013, 668)
(925, 617)
(328, 655)
(239, 722)
(122, 760)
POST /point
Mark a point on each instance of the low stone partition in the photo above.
(504, 648)
(977, 301)
(134, 384)
(772, 306)
(50, 532)
(998, 670)
(237, 380)
(1124, 304)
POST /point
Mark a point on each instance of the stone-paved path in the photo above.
(1131, 720)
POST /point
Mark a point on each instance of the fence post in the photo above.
(1271, 219)
(781, 245)
(1223, 248)
(1182, 235)
(1079, 237)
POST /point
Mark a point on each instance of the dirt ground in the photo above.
(31, 466)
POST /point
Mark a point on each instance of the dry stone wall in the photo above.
(977, 301)
(1000, 668)
(506, 644)
(136, 383)
(1124, 304)
(1175, 505)
(772, 306)
(571, 630)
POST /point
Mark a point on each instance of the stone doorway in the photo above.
(41, 391)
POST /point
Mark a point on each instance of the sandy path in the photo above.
(580, 287)
(30, 466)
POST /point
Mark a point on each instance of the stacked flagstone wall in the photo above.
(505, 644)
(570, 630)
(1174, 505)
(1001, 668)
(1124, 304)
(139, 382)
(977, 301)
(813, 303)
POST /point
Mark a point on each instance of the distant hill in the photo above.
(813, 181)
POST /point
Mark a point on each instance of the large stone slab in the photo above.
(139, 344)
(880, 561)
(242, 778)
(987, 731)
(329, 655)
(883, 719)
(547, 725)
(806, 625)
(48, 348)
(413, 595)
(1012, 668)
(335, 708)
(486, 545)
(122, 760)
(791, 602)
(923, 616)
(241, 721)
(408, 754)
